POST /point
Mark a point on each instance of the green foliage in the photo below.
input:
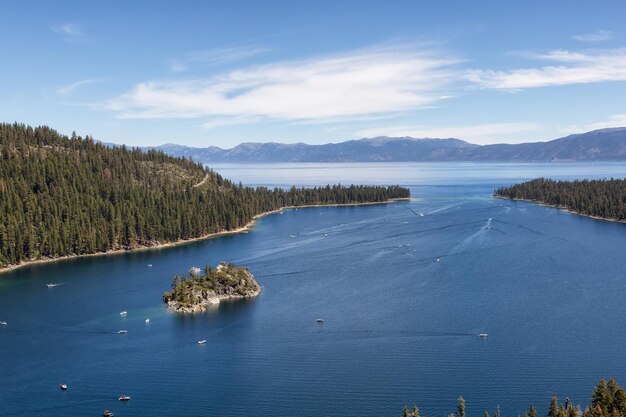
(226, 279)
(607, 400)
(601, 198)
(461, 407)
(62, 196)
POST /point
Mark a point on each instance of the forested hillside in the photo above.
(63, 196)
(601, 198)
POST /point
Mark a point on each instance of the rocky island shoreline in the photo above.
(206, 288)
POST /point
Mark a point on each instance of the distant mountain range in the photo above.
(597, 145)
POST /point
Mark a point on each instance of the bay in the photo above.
(403, 298)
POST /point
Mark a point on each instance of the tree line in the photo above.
(63, 196)
(601, 198)
(608, 399)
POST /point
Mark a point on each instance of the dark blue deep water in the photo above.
(403, 297)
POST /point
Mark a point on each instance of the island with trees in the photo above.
(608, 399)
(208, 287)
(66, 196)
(604, 199)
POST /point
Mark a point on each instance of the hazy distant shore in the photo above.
(245, 228)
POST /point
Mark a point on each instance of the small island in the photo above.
(203, 289)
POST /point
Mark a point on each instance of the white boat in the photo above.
(202, 342)
(320, 321)
(421, 214)
(52, 285)
(124, 313)
(292, 236)
(107, 413)
(147, 321)
(3, 323)
(149, 265)
(122, 331)
(438, 259)
(63, 386)
(483, 335)
(124, 398)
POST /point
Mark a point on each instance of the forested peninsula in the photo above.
(605, 199)
(66, 196)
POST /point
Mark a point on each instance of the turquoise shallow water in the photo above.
(403, 297)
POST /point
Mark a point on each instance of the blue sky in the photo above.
(221, 73)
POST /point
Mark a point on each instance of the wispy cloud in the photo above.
(366, 82)
(69, 29)
(66, 89)
(480, 134)
(230, 121)
(599, 36)
(214, 57)
(616, 120)
(70, 32)
(571, 68)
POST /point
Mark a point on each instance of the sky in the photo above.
(219, 73)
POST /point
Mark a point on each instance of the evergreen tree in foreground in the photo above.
(607, 400)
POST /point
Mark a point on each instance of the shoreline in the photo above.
(248, 226)
(562, 208)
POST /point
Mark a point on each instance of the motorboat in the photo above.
(320, 321)
(483, 335)
(107, 413)
(63, 387)
(3, 323)
(52, 285)
(202, 342)
(149, 265)
(147, 321)
(123, 313)
(124, 398)
(122, 331)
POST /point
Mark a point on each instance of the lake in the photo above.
(403, 298)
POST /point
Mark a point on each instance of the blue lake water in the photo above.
(403, 298)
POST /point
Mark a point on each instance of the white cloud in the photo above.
(616, 120)
(572, 68)
(366, 82)
(599, 36)
(68, 29)
(71, 87)
(479, 134)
